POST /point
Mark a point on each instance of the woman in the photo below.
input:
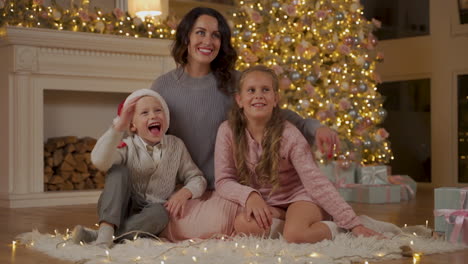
(198, 93)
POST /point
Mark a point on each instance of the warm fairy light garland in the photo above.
(163, 257)
(33, 14)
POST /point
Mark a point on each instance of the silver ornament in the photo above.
(339, 16)
(362, 87)
(330, 46)
(382, 113)
(287, 39)
(331, 90)
(295, 76)
(367, 143)
(275, 5)
(311, 78)
(352, 113)
(366, 65)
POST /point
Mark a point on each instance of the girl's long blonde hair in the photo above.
(268, 167)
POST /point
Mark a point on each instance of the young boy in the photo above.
(156, 163)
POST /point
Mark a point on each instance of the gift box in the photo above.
(408, 186)
(347, 193)
(448, 201)
(372, 175)
(374, 194)
(339, 176)
(457, 227)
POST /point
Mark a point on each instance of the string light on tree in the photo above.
(324, 54)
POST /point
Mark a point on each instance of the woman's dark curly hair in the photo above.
(223, 65)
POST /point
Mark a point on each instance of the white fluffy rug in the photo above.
(344, 249)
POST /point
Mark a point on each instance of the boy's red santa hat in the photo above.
(141, 93)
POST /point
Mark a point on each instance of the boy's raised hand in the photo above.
(126, 115)
(261, 211)
(176, 204)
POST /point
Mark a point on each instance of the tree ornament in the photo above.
(362, 87)
(339, 16)
(295, 76)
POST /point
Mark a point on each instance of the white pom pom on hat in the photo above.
(145, 92)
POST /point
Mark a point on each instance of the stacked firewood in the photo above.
(67, 165)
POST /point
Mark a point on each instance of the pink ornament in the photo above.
(248, 56)
(285, 83)
(344, 104)
(118, 13)
(43, 14)
(321, 115)
(256, 17)
(344, 49)
(321, 14)
(172, 22)
(93, 16)
(376, 23)
(83, 15)
(310, 89)
(348, 40)
(382, 133)
(380, 56)
(38, 2)
(256, 47)
(278, 69)
(376, 77)
(109, 27)
(290, 10)
(372, 39)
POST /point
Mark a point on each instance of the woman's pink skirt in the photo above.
(204, 217)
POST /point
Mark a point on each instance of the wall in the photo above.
(439, 56)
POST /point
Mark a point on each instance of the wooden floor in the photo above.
(46, 219)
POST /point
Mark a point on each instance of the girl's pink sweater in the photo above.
(299, 177)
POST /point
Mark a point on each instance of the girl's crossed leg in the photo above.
(302, 223)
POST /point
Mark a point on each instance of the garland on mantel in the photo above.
(33, 14)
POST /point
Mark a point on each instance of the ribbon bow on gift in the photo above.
(397, 179)
(459, 214)
(374, 175)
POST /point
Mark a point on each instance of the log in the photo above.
(58, 157)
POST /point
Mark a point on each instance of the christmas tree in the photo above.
(324, 54)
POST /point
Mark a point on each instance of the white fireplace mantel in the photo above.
(36, 60)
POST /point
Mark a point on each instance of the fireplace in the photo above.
(60, 83)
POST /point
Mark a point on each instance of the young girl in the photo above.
(264, 164)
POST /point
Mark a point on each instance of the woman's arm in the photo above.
(226, 180)
(323, 137)
(189, 174)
